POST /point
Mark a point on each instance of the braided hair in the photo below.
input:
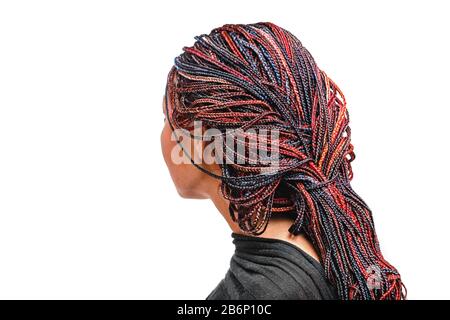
(261, 76)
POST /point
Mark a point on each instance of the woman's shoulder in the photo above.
(262, 269)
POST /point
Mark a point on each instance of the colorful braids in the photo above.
(261, 76)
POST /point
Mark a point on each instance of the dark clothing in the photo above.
(262, 268)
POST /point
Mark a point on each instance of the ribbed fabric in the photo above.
(263, 269)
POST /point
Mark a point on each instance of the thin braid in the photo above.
(260, 76)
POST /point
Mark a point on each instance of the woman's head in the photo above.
(290, 149)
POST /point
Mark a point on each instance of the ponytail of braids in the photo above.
(261, 76)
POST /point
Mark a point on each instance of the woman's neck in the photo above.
(277, 228)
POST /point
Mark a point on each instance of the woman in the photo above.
(277, 168)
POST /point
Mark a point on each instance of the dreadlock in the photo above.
(261, 76)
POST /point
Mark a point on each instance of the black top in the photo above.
(262, 268)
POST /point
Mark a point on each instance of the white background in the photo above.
(87, 208)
